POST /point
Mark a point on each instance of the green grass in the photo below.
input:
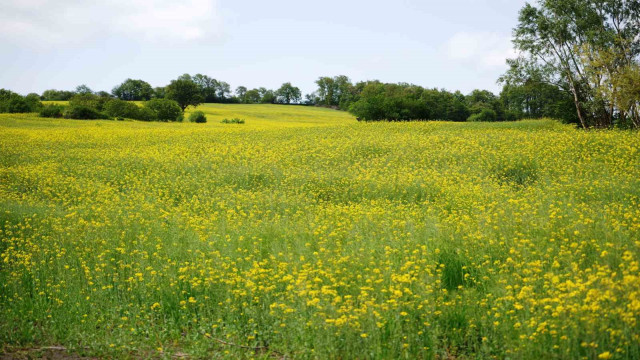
(306, 234)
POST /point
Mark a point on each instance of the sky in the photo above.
(60, 44)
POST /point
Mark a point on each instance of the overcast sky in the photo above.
(451, 44)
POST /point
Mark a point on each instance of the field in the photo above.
(306, 234)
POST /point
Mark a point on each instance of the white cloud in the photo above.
(486, 49)
(77, 21)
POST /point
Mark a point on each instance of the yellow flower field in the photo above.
(306, 234)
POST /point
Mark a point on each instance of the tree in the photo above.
(337, 91)
(57, 95)
(159, 92)
(11, 102)
(288, 94)
(486, 103)
(223, 92)
(403, 102)
(628, 96)
(531, 97)
(241, 92)
(89, 100)
(103, 94)
(83, 89)
(326, 91)
(267, 96)
(132, 89)
(252, 96)
(311, 99)
(185, 93)
(208, 87)
(559, 41)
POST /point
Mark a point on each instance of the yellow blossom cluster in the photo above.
(322, 238)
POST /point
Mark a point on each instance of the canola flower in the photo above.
(320, 237)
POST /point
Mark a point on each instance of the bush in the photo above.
(51, 111)
(146, 114)
(33, 101)
(484, 115)
(233, 121)
(121, 108)
(198, 117)
(83, 113)
(89, 100)
(510, 115)
(165, 109)
(15, 104)
(11, 102)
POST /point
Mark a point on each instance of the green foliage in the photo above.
(165, 109)
(403, 102)
(288, 94)
(582, 48)
(525, 94)
(57, 95)
(121, 108)
(198, 117)
(82, 112)
(210, 89)
(485, 105)
(11, 102)
(147, 114)
(267, 96)
(89, 100)
(252, 97)
(83, 90)
(133, 90)
(335, 91)
(232, 121)
(185, 92)
(484, 114)
(52, 111)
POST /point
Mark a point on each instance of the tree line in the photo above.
(578, 61)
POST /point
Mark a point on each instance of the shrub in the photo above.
(233, 121)
(121, 108)
(197, 117)
(15, 104)
(484, 115)
(11, 102)
(82, 112)
(510, 115)
(146, 114)
(33, 101)
(51, 111)
(89, 100)
(165, 109)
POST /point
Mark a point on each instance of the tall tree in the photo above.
(241, 93)
(208, 87)
(132, 89)
(252, 96)
(559, 39)
(184, 92)
(288, 94)
(83, 89)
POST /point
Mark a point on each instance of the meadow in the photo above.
(306, 234)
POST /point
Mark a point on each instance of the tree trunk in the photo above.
(576, 101)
